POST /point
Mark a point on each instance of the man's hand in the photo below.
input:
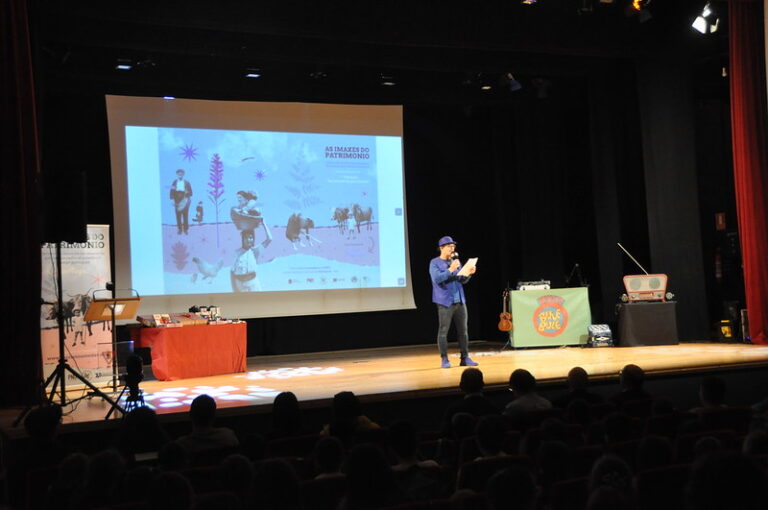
(454, 266)
(472, 271)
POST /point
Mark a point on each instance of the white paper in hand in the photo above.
(468, 267)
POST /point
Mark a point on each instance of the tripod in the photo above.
(58, 377)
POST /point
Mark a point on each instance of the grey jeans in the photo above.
(457, 313)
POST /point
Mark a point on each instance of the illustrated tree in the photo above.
(216, 188)
(303, 191)
(180, 255)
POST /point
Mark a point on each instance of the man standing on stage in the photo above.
(181, 191)
(448, 295)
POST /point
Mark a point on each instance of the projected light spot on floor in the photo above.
(290, 372)
(237, 397)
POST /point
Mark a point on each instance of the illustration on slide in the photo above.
(304, 214)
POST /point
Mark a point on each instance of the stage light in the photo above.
(528, 2)
(388, 80)
(512, 83)
(124, 64)
(707, 22)
(252, 72)
(318, 75)
(169, 97)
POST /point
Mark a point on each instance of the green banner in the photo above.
(552, 317)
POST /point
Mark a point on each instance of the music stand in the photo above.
(112, 309)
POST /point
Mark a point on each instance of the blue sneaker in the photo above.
(445, 363)
(467, 362)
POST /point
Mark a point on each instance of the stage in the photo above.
(406, 373)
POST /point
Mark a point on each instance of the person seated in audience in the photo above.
(755, 443)
(578, 412)
(404, 444)
(287, 420)
(140, 433)
(103, 475)
(553, 462)
(204, 436)
(172, 457)
(513, 487)
(608, 498)
(578, 382)
(631, 379)
(490, 434)
(725, 480)
(348, 418)
(171, 491)
(474, 402)
(711, 394)
(69, 483)
(462, 426)
(276, 486)
(371, 481)
(329, 457)
(237, 477)
(523, 385)
(611, 471)
(420, 479)
(42, 450)
(705, 446)
(138, 476)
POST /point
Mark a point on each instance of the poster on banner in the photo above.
(85, 268)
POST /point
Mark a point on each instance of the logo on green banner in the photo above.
(550, 318)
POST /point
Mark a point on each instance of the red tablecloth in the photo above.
(194, 351)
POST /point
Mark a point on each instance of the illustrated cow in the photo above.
(341, 217)
(362, 216)
(67, 314)
(298, 226)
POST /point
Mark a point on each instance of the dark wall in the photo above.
(531, 182)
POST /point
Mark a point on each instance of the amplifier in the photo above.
(537, 285)
(645, 287)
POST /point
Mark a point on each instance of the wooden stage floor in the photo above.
(410, 372)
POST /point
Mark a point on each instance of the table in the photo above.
(648, 323)
(194, 351)
(549, 317)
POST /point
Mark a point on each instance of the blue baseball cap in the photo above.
(445, 240)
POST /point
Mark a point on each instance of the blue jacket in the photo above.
(447, 288)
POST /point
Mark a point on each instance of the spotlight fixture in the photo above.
(387, 80)
(639, 8)
(527, 2)
(707, 22)
(124, 64)
(512, 83)
(252, 72)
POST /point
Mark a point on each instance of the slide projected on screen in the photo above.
(261, 208)
(244, 211)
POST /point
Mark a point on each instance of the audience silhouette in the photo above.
(586, 454)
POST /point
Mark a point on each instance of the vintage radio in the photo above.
(645, 287)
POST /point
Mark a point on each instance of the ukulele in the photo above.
(505, 318)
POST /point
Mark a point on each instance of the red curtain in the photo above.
(750, 163)
(20, 363)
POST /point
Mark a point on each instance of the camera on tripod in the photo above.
(134, 374)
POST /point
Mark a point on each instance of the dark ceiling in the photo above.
(304, 49)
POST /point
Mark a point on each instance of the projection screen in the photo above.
(262, 209)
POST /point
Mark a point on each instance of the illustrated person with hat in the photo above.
(181, 191)
(448, 295)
